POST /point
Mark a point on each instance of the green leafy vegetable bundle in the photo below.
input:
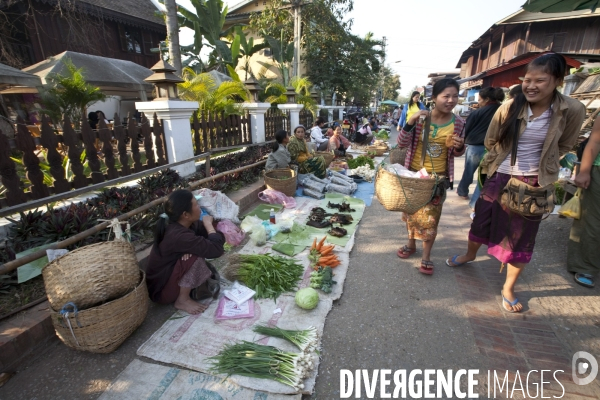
(360, 161)
(268, 275)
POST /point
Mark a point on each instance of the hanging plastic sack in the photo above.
(572, 208)
(233, 235)
(276, 197)
(218, 205)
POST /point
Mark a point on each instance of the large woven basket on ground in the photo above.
(283, 180)
(327, 156)
(91, 275)
(398, 193)
(379, 150)
(398, 155)
(104, 328)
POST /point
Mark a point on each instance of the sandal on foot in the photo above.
(510, 303)
(405, 252)
(426, 267)
(454, 263)
(586, 280)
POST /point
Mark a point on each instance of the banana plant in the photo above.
(243, 47)
(283, 55)
(207, 23)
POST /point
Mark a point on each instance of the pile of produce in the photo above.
(322, 279)
(306, 340)
(263, 362)
(382, 134)
(268, 275)
(322, 256)
(344, 207)
(364, 171)
(360, 161)
(318, 218)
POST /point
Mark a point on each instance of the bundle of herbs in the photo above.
(360, 161)
(268, 275)
(263, 362)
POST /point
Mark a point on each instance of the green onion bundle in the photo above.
(263, 362)
(305, 340)
(268, 275)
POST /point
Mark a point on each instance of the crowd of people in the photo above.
(522, 139)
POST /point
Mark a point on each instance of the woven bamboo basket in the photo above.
(379, 150)
(104, 328)
(283, 180)
(398, 193)
(327, 156)
(92, 274)
(398, 155)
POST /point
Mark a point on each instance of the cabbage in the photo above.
(307, 298)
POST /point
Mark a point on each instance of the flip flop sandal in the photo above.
(586, 280)
(426, 267)
(405, 252)
(512, 304)
(453, 261)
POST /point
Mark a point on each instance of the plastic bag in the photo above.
(313, 193)
(275, 197)
(259, 235)
(332, 187)
(250, 222)
(233, 235)
(341, 176)
(308, 183)
(218, 205)
(343, 182)
(285, 225)
(572, 208)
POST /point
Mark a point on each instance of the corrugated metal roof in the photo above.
(523, 16)
(471, 78)
(143, 9)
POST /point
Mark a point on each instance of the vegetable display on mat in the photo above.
(307, 298)
(305, 340)
(360, 161)
(263, 362)
(268, 275)
(322, 279)
(321, 255)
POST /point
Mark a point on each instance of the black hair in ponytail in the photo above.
(179, 201)
(279, 138)
(492, 94)
(550, 63)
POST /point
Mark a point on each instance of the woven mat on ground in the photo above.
(142, 380)
(188, 340)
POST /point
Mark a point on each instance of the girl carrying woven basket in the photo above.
(182, 242)
(525, 141)
(444, 142)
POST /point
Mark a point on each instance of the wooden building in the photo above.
(121, 29)
(499, 56)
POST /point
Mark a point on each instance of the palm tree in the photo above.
(202, 88)
(275, 93)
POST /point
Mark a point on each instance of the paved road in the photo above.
(392, 317)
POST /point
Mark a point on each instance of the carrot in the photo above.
(314, 245)
(326, 249)
(327, 252)
(320, 244)
(327, 259)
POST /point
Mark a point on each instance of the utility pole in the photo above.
(297, 8)
(381, 75)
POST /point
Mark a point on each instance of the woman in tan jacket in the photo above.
(546, 125)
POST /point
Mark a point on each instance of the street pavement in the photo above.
(392, 317)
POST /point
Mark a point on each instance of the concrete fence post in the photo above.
(257, 113)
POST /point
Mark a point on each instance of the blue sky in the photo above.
(426, 35)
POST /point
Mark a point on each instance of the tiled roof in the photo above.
(141, 9)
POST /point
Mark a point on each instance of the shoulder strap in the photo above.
(425, 136)
(515, 144)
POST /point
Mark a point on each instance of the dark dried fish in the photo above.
(338, 232)
(343, 219)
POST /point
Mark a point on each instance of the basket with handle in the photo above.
(92, 274)
(104, 328)
(378, 150)
(283, 180)
(399, 193)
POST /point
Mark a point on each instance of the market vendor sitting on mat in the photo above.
(280, 156)
(307, 163)
(181, 244)
(338, 143)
